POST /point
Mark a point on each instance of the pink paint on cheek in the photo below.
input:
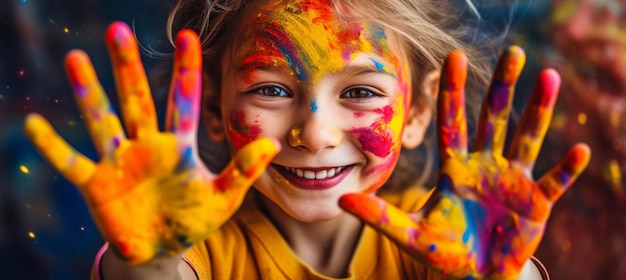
(377, 138)
(374, 139)
(240, 132)
(358, 114)
(386, 112)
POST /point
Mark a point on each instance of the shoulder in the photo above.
(220, 247)
(377, 257)
(249, 243)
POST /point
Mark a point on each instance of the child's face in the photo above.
(334, 93)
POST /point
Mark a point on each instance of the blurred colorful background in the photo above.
(45, 228)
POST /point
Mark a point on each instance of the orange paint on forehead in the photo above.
(307, 40)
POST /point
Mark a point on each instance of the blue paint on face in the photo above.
(382, 68)
(313, 106)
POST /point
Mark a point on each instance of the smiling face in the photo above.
(335, 93)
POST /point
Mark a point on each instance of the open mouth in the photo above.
(314, 178)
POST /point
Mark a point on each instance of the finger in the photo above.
(451, 119)
(536, 119)
(103, 124)
(74, 166)
(247, 165)
(496, 107)
(559, 178)
(185, 92)
(132, 85)
(442, 243)
(388, 219)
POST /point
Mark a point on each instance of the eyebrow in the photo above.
(376, 67)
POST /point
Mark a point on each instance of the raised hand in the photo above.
(487, 215)
(149, 194)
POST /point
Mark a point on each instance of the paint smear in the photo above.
(377, 138)
(240, 132)
(306, 38)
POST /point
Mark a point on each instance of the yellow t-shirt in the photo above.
(248, 246)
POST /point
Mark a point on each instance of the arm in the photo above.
(149, 194)
(487, 214)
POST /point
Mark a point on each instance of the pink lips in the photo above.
(313, 184)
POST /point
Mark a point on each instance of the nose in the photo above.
(317, 132)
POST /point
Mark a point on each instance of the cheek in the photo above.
(382, 139)
(240, 131)
(381, 172)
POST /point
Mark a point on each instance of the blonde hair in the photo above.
(427, 29)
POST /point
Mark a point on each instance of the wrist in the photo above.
(108, 265)
(96, 269)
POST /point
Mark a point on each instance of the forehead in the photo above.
(308, 39)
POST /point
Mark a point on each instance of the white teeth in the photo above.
(321, 175)
(308, 174)
(331, 173)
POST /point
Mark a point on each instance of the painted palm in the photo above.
(487, 214)
(149, 194)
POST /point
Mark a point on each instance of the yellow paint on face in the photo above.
(306, 39)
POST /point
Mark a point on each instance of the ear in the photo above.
(211, 112)
(421, 113)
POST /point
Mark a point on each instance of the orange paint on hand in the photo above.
(149, 194)
(486, 216)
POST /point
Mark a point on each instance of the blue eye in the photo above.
(359, 93)
(271, 91)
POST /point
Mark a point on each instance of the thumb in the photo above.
(247, 165)
(433, 243)
(384, 217)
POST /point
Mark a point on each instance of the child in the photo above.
(316, 100)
